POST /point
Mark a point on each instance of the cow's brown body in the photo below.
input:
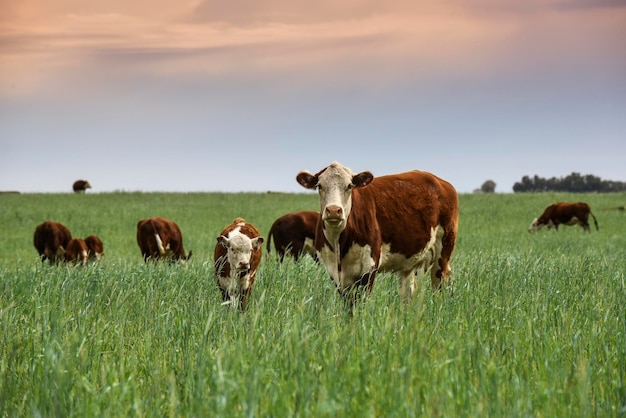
(50, 240)
(237, 257)
(95, 246)
(80, 186)
(77, 251)
(564, 213)
(160, 238)
(294, 234)
(400, 223)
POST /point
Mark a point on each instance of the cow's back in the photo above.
(49, 237)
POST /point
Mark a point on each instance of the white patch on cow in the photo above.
(309, 246)
(535, 226)
(573, 221)
(355, 263)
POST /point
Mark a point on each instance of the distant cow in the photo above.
(237, 256)
(400, 223)
(77, 251)
(294, 233)
(50, 240)
(160, 238)
(95, 246)
(80, 186)
(566, 213)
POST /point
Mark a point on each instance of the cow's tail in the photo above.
(269, 240)
(595, 221)
(159, 243)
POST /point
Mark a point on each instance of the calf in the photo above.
(77, 251)
(237, 256)
(294, 233)
(50, 240)
(95, 246)
(399, 223)
(160, 238)
(566, 213)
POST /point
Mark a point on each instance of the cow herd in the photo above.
(403, 223)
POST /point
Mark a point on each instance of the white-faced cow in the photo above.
(77, 251)
(160, 238)
(81, 186)
(566, 213)
(294, 234)
(50, 240)
(95, 246)
(400, 223)
(237, 256)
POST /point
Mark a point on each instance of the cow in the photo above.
(95, 246)
(566, 213)
(294, 234)
(160, 238)
(50, 240)
(77, 251)
(81, 186)
(399, 223)
(237, 257)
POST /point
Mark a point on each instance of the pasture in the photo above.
(536, 327)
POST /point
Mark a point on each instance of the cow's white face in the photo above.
(239, 249)
(334, 185)
(534, 226)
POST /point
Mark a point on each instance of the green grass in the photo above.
(537, 325)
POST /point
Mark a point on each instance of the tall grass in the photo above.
(537, 325)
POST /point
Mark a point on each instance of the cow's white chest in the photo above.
(355, 263)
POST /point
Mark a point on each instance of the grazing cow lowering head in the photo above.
(160, 238)
(566, 213)
(399, 223)
(50, 240)
(77, 251)
(95, 246)
(294, 234)
(81, 186)
(237, 257)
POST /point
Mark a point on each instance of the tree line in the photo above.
(574, 183)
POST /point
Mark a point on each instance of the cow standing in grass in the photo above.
(400, 223)
(95, 246)
(566, 213)
(50, 240)
(294, 234)
(160, 238)
(237, 257)
(77, 251)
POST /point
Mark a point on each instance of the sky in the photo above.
(239, 96)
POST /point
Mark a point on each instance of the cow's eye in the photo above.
(349, 187)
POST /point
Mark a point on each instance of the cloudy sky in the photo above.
(213, 95)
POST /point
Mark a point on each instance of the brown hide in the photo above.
(564, 213)
(290, 231)
(95, 246)
(50, 240)
(80, 186)
(222, 265)
(169, 234)
(77, 251)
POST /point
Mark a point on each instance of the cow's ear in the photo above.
(257, 242)
(362, 179)
(307, 180)
(223, 241)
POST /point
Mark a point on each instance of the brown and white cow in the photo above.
(160, 238)
(77, 251)
(50, 240)
(95, 246)
(294, 234)
(566, 213)
(237, 257)
(399, 223)
(81, 186)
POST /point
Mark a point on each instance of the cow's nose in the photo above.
(333, 211)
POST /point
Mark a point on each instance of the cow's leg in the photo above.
(440, 271)
(406, 284)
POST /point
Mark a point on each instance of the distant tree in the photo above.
(488, 187)
(573, 183)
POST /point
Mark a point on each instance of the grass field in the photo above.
(536, 327)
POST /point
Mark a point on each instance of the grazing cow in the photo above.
(160, 238)
(566, 213)
(400, 223)
(81, 186)
(95, 246)
(77, 251)
(294, 233)
(50, 240)
(237, 256)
